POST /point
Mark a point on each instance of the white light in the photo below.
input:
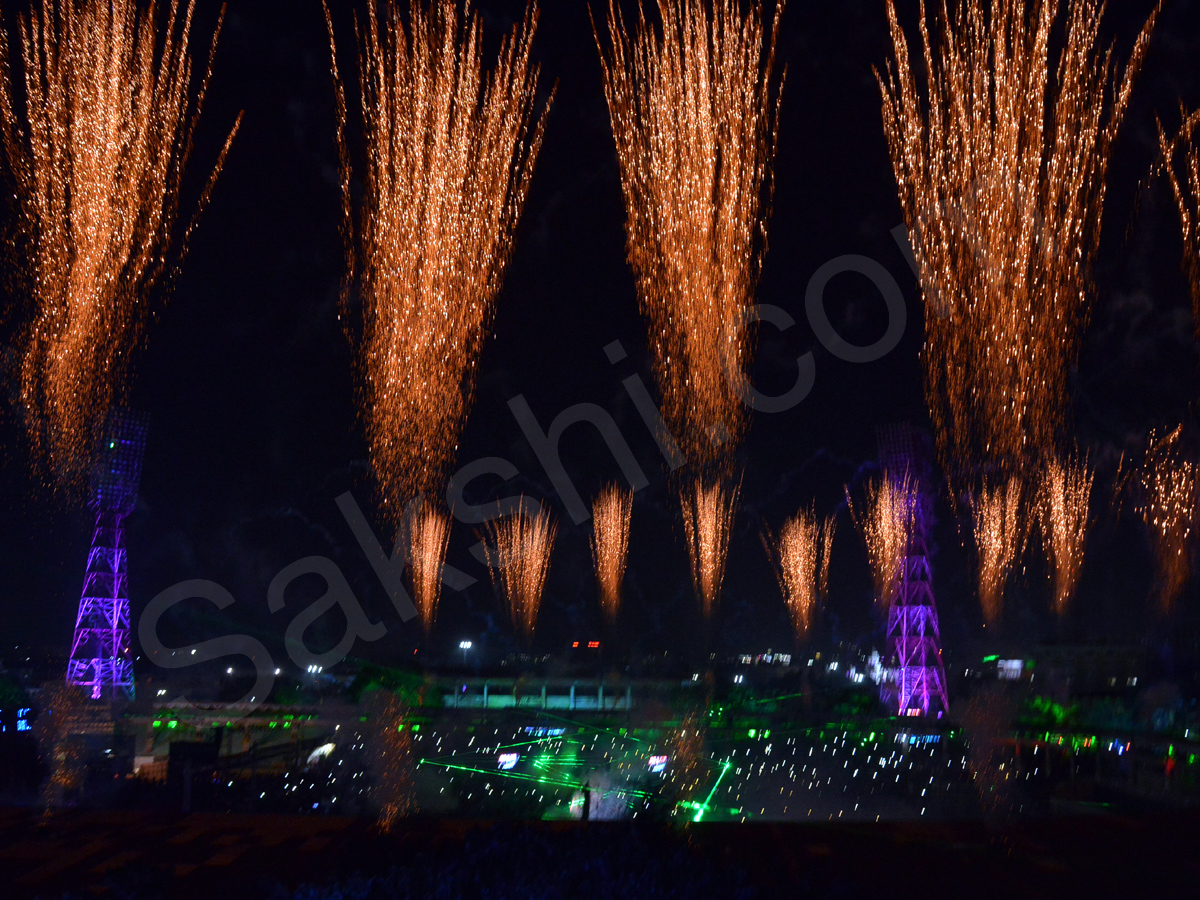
(464, 645)
(229, 671)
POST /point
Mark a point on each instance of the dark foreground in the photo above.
(134, 855)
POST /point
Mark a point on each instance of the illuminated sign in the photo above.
(1009, 669)
(508, 761)
(658, 764)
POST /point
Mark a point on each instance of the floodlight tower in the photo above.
(912, 629)
(100, 656)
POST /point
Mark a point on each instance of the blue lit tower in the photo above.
(100, 658)
(915, 656)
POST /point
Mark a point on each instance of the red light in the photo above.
(593, 644)
(576, 644)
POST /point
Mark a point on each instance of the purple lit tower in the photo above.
(100, 658)
(915, 654)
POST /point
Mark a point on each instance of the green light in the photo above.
(872, 737)
(416, 727)
(753, 732)
(157, 724)
(704, 805)
(173, 724)
(992, 658)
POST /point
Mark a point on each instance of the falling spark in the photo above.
(801, 556)
(886, 524)
(96, 135)
(1186, 188)
(428, 534)
(1064, 518)
(1168, 506)
(1001, 168)
(450, 151)
(694, 119)
(390, 756)
(520, 560)
(998, 542)
(611, 515)
(707, 520)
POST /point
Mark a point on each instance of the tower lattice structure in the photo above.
(100, 654)
(914, 641)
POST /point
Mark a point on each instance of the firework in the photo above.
(610, 545)
(694, 118)
(707, 520)
(1168, 506)
(63, 721)
(1186, 188)
(390, 756)
(685, 747)
(427, 531)
(1001, 168)
(998, 543)
(96, 137)
(450, 151)
(1064, 517)
(520, 560)
(886, 524)
(801, 554)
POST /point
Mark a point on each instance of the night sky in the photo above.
(247, 373)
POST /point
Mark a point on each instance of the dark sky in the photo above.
(247, 374)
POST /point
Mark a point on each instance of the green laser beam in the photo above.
(704, 805)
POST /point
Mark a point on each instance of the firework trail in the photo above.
(96, 135)
(707, 520)
(801, 557)
(999, 539)
(450, 150)
(1168, 506)
(1001, 167)
(886, 524)
(390, 756)
(60, 728)
(611, 514)
(427, 534)
(520, 559)
(694, 115)
(694, 120)
(1186, 187)
(1064, 517)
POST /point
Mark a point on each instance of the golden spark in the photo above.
(801, 556)
(1168, 506)
(694, 120)
(96, 137)
(707, 521)
(1064, 516)
(1001, 165)
(427, 532)
(611, 515)
(999, 540)
(886, 523)
(450, 151)
(1186, 188)
(520, 560)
